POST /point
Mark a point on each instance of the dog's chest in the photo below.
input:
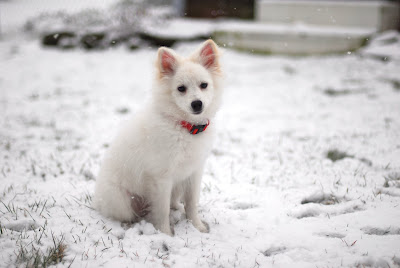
(181, 154)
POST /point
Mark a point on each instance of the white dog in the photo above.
(157, 160)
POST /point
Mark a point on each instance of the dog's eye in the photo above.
(182, 88)
(203, 85)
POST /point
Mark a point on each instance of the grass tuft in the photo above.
(324, 199)
(392, 180)
(336, 92)
(274, 251)
(165, 247)
(394, 83)
(336, 155)
(37, 258)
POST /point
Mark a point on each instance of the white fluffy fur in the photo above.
(154, 156)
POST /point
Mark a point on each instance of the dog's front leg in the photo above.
(191, 199)
(160, 197)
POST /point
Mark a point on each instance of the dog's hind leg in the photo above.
(113, 201)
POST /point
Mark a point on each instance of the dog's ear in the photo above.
(208, 56)
(166, 61)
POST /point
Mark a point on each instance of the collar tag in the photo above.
(194, 129)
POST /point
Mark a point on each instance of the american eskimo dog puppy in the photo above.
(157, 160)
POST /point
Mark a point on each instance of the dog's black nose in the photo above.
(197, 106)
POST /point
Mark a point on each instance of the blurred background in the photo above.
(285, 27)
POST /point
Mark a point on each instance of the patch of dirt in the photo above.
(381, 231)
(274, 251)
(322, 198)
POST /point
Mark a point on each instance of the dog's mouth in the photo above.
(197, 112)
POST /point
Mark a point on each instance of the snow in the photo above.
(270, 195)
(189, 28)
(182, 28)
(16, 12)
(384, 46)
(294, 28)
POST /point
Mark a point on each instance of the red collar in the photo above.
(194, 129)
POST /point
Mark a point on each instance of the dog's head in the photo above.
(189, 87)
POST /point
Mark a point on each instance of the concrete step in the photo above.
(291, 39)
(299, 27)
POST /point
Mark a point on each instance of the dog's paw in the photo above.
(179, 207)
(169, 231)
(165, 228)
(202, 226)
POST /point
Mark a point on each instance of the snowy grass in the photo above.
(36, 258)
(297, 177)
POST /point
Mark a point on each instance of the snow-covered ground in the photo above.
(15, 12)
(270, 194)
